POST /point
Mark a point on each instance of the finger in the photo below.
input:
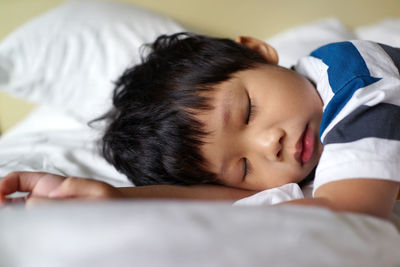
(18, 181)
(3, 199)
(39, 184)
(47, 184)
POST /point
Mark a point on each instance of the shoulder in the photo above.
(359, 58)
(334, 65)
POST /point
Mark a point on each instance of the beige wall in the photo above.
(260, 18)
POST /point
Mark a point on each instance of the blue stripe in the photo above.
(347, 73)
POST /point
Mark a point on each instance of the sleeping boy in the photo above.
(212, 118)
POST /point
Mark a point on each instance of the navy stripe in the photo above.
(381, 121)
(347, 72)
(394, 54)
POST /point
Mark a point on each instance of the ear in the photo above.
(267, 51)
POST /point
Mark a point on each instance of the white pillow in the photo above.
(70, 56)
(300, 41)
(386, 31)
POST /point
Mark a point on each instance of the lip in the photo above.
(305, 146)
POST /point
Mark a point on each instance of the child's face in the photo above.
(275, 145)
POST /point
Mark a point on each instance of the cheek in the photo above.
(267, 176)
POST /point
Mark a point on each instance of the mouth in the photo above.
(305, 146)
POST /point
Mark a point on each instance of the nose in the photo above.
(269, 143)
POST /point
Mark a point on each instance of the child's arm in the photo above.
(46, 185)
(369, 196)
(206, 192)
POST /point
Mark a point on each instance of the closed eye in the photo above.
(250, 109)
(246, 168)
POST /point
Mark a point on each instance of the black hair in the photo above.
(152, 135)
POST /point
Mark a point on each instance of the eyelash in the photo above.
(246, 168)
(250, 111)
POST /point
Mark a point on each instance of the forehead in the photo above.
(213, 120)
(219, 99)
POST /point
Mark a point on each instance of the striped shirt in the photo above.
(359, 83)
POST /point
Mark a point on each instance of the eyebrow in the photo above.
(226, 114)
(226, 111)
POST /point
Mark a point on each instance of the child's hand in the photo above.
(46, 185)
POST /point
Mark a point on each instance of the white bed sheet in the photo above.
(175, 234)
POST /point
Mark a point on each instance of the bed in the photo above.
(66, 67)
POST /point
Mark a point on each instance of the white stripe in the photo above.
(317, 71)
(366, 158)
(379, 63)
